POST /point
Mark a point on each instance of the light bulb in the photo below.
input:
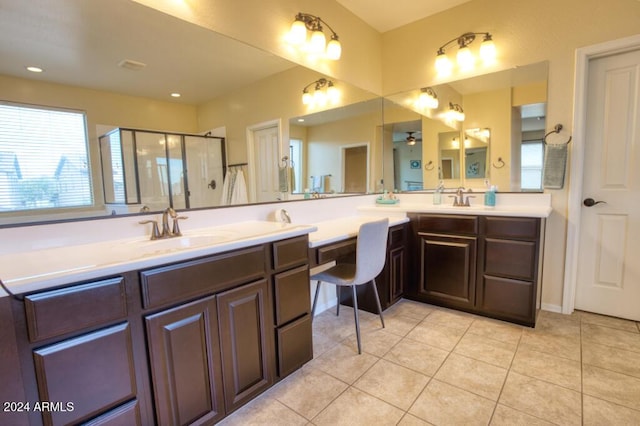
(298, 32)
(488, 51)
(443, 64)
(318, 42)
(465, 59)
(306, 98)
(334, 49)
(319, 97)
(333, 93)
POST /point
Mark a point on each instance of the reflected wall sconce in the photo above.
(307, 32)
(324, 91)
(427, 98)
(455, 113)
(465, 58)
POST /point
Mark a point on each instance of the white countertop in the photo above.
(331, 231)
(540, 211)
(39, 269)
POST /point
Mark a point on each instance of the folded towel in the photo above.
(555, 164)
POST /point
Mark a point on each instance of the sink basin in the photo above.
(148, 248)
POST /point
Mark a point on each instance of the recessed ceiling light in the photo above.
(175, 95)
(34, 69)
(300, 120)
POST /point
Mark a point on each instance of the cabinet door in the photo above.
(246, 335)
(448, 269)
(397, 266)
(185, 363)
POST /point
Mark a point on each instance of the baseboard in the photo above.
(551, 308)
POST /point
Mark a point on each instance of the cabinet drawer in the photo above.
(336, 251)
(291, 252)
(508, 298)
(128, 414)
(448, 224)
(397, 236)
(174, 283)
(94, 371)
(295, 345)
(57, 312)
(525, 228)
(510, 258)
(292, 294)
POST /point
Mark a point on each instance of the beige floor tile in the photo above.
(458, 320)
(542, 399)
(343, 362)
(625, 362)
(308, 391)
(497, 330)
(611, 386)
(488, 350)
(437, 335)
(354, 407)
(562, 346)
(506, 416)
(475, 376)
(557, 327)
(332, 326)
(611, 337)
(400, 324)
(598, 412)
(417, 356)
(559, 371)
(392, 383)
(412, 309)
(603, 320)
(575, 316)
(376, 342)
(443, 404)
(264, 411)
(322, 343)
(409, 420)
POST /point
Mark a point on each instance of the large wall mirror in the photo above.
(497, 141)
(229, 90)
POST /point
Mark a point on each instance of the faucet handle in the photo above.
(455, 200)
(155, 232)
(466, 202)
(176, 228)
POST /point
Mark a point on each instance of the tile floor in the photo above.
(434, 366)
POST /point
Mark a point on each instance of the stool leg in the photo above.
(338, 293)
(315, 300)
(355, 314)
(375, 291)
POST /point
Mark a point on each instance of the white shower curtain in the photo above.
(234, 188)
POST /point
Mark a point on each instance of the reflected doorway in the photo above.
(355, 168)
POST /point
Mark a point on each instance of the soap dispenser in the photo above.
(437, 195)
(490, 196)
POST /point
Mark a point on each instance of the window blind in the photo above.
(44, 161)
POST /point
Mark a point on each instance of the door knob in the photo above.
(590, 202)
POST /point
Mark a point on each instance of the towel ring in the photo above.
(556, 129)
(285, 161)
(430, 163)
(500, 164)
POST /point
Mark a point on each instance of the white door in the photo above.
(266, 148)
(608, 277)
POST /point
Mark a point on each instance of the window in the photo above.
(44, 161)
(531, 168)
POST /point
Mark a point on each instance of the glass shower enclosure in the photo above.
(158, 169)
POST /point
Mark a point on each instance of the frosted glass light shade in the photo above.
(297, 33)
(488, 52)
(318, 42)
(443, 65)
(306, 98)
(334, 49)
(465, 58)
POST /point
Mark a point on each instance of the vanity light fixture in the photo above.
(317, 43)
(465, 58)
(324, 91)
(428, 98)
(455, 113)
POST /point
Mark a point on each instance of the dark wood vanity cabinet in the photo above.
(483, 264)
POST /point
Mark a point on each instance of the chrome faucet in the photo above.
(459, 199)
(166, 231)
